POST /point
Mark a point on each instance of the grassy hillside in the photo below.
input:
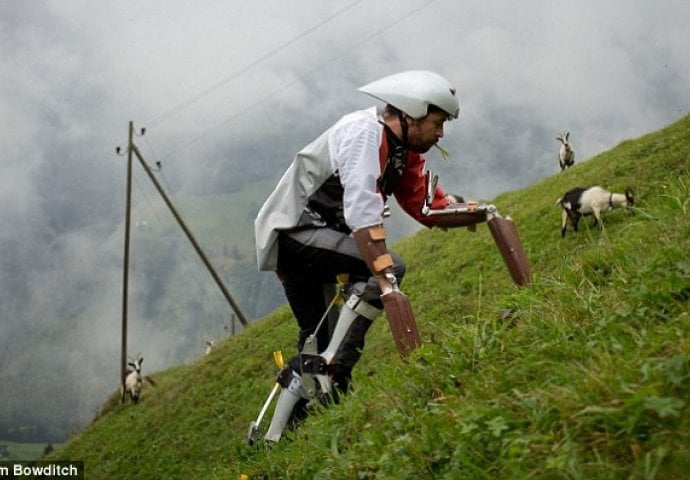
(586, 376)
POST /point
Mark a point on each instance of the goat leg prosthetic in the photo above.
(505, 234)
(290, 394)
(304, 386)
(503, 230)
(401, 320)
(328, 373)
(371, 242)
(314, 382)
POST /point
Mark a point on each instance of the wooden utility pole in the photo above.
(125, 269)
(133, 150)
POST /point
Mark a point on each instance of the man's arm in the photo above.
(371, 242)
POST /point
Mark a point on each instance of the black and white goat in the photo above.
(582, 201)
(566, 155)
(134, 381)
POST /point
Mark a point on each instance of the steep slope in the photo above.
(584, 374)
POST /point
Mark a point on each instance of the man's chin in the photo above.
(421, 148)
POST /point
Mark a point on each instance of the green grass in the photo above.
(585, 374)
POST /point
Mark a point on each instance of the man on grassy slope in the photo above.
(325, 217)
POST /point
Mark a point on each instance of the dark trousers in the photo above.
(308, 262)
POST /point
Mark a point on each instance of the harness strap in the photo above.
(362, 307)
(394, 163)
(292, 382)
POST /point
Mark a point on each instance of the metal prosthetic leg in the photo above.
(314, 382)
(290, 394)
(295, 386)
(347, 341)
(343, 351)
(355, 308)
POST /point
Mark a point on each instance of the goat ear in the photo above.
(567, 134)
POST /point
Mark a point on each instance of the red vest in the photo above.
(411, 188)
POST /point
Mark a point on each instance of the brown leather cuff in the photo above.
(371, 242)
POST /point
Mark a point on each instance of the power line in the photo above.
(245, 110)
(181, 106)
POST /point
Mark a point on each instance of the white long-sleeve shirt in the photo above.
(351, 149)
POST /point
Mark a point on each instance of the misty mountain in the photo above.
(62, 270)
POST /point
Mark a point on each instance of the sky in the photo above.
(202, 76)
(219, 85)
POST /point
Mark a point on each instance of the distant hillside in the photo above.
(584, 374)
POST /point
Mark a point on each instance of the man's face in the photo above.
(425, 132)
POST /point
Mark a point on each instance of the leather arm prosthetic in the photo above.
(458, 214)
(503, 230)
(371, 242)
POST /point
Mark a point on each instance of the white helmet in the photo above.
(413, 91)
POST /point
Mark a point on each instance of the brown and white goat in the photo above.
(566, 155)
(582, 201)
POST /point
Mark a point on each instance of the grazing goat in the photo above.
(133, 381)
(566, 155)
(581, 201)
